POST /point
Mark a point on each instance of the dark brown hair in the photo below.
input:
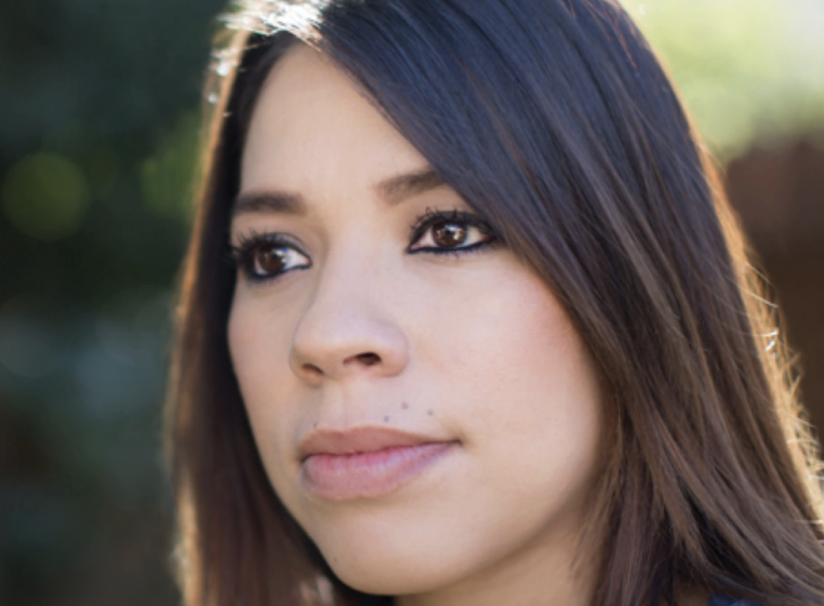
(555, 122)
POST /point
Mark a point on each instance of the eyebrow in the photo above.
(269, 202)
(393, 190)
(397, 189)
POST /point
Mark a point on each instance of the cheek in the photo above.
(258, 346)
(508, 334)
(259, 338)
(259, 334)
(250, 349)
(526, 396)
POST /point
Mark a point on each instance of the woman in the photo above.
(485, 334)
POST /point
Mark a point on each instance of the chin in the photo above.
(378, 575)
(398, 560)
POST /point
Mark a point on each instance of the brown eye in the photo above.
(449, 234)
(266, 257)
(269, 260)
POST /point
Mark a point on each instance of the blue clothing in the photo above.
(721, 600)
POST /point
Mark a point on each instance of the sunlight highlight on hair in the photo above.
(268, 17)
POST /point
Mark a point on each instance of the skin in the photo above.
(363, 331)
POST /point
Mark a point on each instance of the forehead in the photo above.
(311, 124)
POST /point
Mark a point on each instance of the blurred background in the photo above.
(99, 110)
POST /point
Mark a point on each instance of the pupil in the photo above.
(449, 234)
(269, 260)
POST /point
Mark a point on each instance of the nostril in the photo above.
(368, 359)
(312, 370)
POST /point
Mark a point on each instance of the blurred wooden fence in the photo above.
(779, 194)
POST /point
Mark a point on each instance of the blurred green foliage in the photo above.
(747, 70)
(98, 118)
(46, 196)
(99, 111)
(167, 176)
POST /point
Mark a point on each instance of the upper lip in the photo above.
(357, 440)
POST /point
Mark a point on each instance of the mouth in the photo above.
(366, 462)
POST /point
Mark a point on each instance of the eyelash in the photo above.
(242, 258)
(431, 217)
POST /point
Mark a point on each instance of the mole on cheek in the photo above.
(405, 405)
(430, 412)
(386, 419)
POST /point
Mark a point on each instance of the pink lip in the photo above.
(365, 462)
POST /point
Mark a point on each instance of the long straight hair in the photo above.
(555, 122)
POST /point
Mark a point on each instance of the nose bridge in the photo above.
(348, 326)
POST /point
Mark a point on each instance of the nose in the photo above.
(346, 331)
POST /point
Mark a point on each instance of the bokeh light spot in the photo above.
(46, 196)
(167, 176)
(103, 169)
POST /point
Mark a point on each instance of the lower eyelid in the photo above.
(464, 250)
(257, 280)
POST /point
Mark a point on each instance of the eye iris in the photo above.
(449, 234)
(269, 260)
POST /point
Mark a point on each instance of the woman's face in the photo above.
(421, 402)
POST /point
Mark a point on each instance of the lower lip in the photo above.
(368, 475)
